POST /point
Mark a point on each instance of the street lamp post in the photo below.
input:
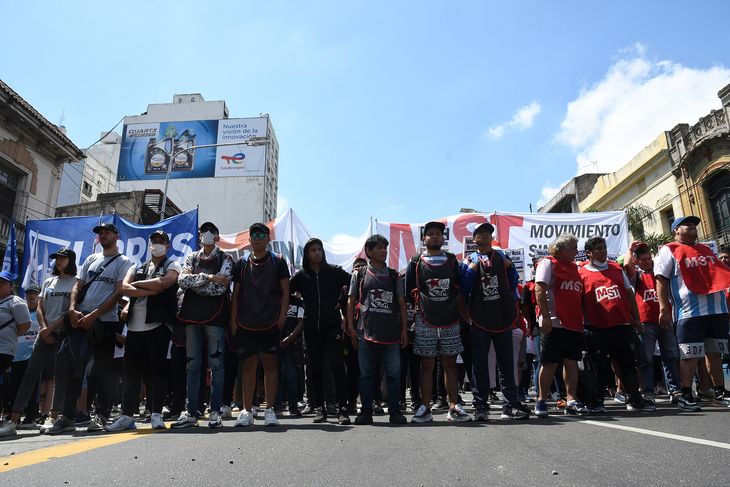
(251, 141)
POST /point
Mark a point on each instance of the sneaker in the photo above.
(157, 422)
(598, 408)
(97, 423)
(378, 408)
(245, 418)
(40, 420)
(320, 415)
(706, 396)
(62, 425)
(186, 420)
(82, 419)
(343, 418)
(649, 396)
(641, 405)
(439, 404)
(226, 412)
(674, 397)
(516, 411)
(722, 398)
(170, 415)
(365, 417)
(423, 415)
(270, 418)
(541, 410)
(414, 406)
(397, 418)
(214, 420)
(308, 409)
(620, 397)
(481, 414)
(47, 425)
(686, 402)
(576, 407)
(458, 414)
(122, 423)
(28, 423)
(8, 429)
(294, 412)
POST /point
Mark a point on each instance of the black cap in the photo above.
(429, 225)
(484, 227)
(258, 227)
(64, 252)
(161, 233)
(209, 226)
(106, 226)
(33, 288)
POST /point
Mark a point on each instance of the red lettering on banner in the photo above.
(400, 232)
(503, 223)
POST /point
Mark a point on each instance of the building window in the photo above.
(667, 217)
(9, 185)
(87, 189)
(718, 193)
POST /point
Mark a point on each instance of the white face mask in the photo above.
(599, 264)
(208, 238)
(157, 250)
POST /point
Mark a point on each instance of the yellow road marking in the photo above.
(41, 455)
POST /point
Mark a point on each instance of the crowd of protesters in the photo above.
(113, 343)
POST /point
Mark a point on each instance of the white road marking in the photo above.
(688, 439)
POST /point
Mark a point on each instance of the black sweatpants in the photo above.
(614, 343)
(320, 344)
(145, 356)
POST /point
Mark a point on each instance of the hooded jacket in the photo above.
(320, 290)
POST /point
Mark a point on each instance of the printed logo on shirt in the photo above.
(700, 260)
(607, 292)
(438, 288)
(380, 301)
(571, 286)
(650, 295)
(490, 288)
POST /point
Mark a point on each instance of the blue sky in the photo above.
(403, 111)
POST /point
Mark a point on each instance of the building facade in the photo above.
(33, 152)
(83, 181)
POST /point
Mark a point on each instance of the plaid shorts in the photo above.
(431, 341)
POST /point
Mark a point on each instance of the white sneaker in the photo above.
(8, 429)
(245, 418)
(214, 420)
(226, 412)
(122, 423)
(458, 414)
(48, 425)
(423, 415)
(186, 420)
(270, 418)
(97, 423)
(157, 422)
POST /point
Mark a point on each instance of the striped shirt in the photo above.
(686, 304)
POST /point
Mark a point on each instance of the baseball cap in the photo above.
(484, 227)
(106, 226)
(209, 226)
(64, 252)
(685, 219)
(258, 227)
(429, 225)
(161, 233)
(6, 276)
(33, 288)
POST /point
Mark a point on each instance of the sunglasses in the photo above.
(259, 236)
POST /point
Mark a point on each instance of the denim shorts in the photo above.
(431, 341)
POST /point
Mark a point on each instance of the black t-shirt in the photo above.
(260, 290)
(293, 315)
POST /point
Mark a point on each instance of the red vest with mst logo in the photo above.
(604, 296)
(568, 293)
(646, 297)
(702, 271)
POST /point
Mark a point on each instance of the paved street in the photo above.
(622, 448)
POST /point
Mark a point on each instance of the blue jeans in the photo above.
(288, 379)
(390, 356)
(669, 352)
(480, 342)
(194, 349)
(537, 340)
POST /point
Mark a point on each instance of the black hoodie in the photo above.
(320, 291)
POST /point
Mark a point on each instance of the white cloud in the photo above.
(638, 98)
(282, 204)
(547, 192)
(522, 119)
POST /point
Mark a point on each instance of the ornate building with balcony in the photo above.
(32, 154)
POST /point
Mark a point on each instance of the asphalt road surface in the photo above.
(622, 448)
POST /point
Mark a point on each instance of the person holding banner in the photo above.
(205, 278)
(432, 280)
(152, 309)
(559, 293)
(258, 311)
(320, 285)
(93, 324)
(491, 311)
(612, 321)
(696, 280)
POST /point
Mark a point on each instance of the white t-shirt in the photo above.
(137, 320)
